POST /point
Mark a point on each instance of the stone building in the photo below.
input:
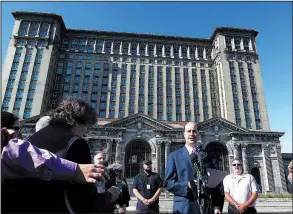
(144, 88)
(138, 137)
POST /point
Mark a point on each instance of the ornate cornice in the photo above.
(230, 30)
(138, 36)
(38, 15)
(139, 117)
(257, 133)
(207, 41)
(221, 121)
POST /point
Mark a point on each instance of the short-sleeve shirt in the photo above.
(142, 181)
(240, 187)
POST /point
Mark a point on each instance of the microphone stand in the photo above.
(204, 198)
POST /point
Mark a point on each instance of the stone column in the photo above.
(108, 150)
(196, 53)
(241, 44)
(146, 49)
(283, 185)
(137, 49)
(204, 53)
(244, 158)
(103, 47)
(250, 45)
(167, 151)
(235, 147)
(129, 48)
(158, 156)
(112, 47)
(118, 151)
(38, 31)
(95, 45)
(120, 47)
(188, 52)
(268, 171)
(233, 44)
(28, 29)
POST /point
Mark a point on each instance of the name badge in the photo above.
(148, 186)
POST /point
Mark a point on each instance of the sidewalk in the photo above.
(270, 205)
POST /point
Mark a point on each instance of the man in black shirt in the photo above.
(147, 187)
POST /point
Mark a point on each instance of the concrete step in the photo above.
(271, 205)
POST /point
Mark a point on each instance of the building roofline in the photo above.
(21, 14)
(232, 30)
(139, 35)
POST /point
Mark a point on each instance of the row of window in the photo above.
(245, 95)
(90, 66)
(136, 48)
(254, 97)
(31, 43)
(237, 43)
(133, 60)
(235, 94)
(33, 29)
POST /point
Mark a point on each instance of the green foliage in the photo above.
(275, 195)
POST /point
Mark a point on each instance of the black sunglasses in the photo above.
(236, 164)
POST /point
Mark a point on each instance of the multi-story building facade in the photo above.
(165, 80)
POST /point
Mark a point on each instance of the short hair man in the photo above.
(147, 187)
(180, 172)
(99, 159)
(240, 190)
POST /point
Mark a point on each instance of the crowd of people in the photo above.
(52, 171)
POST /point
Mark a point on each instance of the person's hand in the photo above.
(217, 211)
(115, 192)
(242, 208)
(6, 136)
(146, 202)
(89, 173)
(189, 185)
(121, 210)
(237, 206)
(151, 200)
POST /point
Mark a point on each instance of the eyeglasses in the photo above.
(236, 164)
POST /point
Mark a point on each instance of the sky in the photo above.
(273, 20)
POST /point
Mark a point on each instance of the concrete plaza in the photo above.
(271, 205)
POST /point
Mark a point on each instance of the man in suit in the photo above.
(180, 173)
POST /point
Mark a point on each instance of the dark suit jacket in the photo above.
(179, 172)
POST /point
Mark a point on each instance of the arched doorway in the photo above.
(219, 153)
(256, 174)
(135, 153)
